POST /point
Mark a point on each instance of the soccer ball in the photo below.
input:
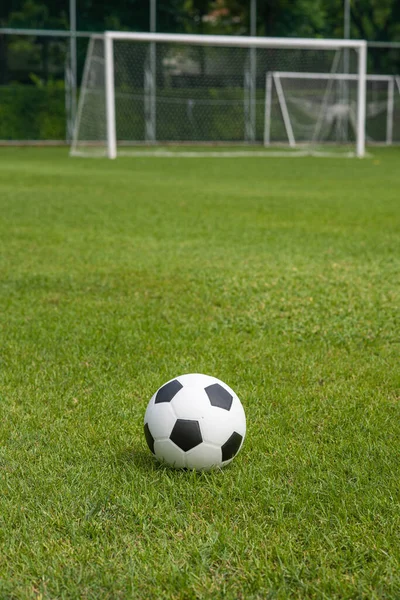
(196, 422)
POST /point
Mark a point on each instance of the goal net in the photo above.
(142, 91)
(321, 108)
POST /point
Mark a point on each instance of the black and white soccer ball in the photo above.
(195, 421)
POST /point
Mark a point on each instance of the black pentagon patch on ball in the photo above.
(168, 391)
(231, 446)
(219, 396)
(149, 438)
(186, 434)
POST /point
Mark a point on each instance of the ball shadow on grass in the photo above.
(141, 459)
(137, 457)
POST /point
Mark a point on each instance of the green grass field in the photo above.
(280, 277)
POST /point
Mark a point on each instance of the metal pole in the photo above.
(253, 72)
(153, 16)
(346, 24)
(253, 18)
(346, 64)
(151, 125)
(267, 109)
(346, 34)
(72, 51)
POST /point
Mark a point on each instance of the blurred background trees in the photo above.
(41, 64)
(370, 19)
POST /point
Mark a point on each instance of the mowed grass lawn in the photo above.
(280, 277)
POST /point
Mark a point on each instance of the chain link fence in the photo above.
(38, 87)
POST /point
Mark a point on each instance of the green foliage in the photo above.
(281, 277)
(371, 19)
(33, 112)
(37, 14)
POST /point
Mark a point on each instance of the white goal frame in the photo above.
(274, 78)
(110, 37)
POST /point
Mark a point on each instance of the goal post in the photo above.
(110, 97)
(154, 88)
(289, 96)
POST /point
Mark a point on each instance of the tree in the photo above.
(292, 18)
(372, 20)
(30, 14)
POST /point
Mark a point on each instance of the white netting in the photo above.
(90, 132)
(383, 109)
(168, 92)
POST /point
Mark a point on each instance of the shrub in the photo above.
(33, 112)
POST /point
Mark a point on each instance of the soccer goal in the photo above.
(322, 108)
(165, 92)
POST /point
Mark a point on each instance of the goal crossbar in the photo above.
(237, 41)
(340, 76)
